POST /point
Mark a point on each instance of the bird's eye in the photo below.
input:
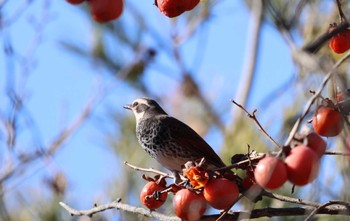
(135, 104)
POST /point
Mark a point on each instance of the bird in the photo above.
(168, 140)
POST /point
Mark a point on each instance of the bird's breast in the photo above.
(152, 136)
(155, 138)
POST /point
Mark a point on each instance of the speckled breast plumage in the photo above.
(155, 137)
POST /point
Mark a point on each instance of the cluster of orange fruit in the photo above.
(300, 165)
(190, 203)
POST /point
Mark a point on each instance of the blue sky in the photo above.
(61, 83)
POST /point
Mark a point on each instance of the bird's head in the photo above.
(144, 108)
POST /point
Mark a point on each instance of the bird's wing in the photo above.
(187, 137)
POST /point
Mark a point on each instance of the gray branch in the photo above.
(342, 209)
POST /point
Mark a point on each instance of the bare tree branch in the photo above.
(253, 117)
(251, 54)
(336, 153)
(289, 199)
(314, 46)
(313, 213)
(231, 215)
(244, 163)
(63, 136)
(275, 212)
(122, 206)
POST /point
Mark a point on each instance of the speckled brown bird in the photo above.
(169, 141)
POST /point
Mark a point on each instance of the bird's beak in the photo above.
(128, 107)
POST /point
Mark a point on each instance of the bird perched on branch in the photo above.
(169, 141)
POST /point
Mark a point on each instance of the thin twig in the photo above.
(117, 205)
(315, 211)
(314, 46)
(57, 143)
(243, 163)
(249, 159)
(149, 170)
(289, 199)
(336, 153)
(259, 156)
(227, 210)
(197, 92)
(170, 188)
(314, 97)
(341, 13)
(192, 27)
(253, 117)
(250, 60)
(298, 10)
(280, 212)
